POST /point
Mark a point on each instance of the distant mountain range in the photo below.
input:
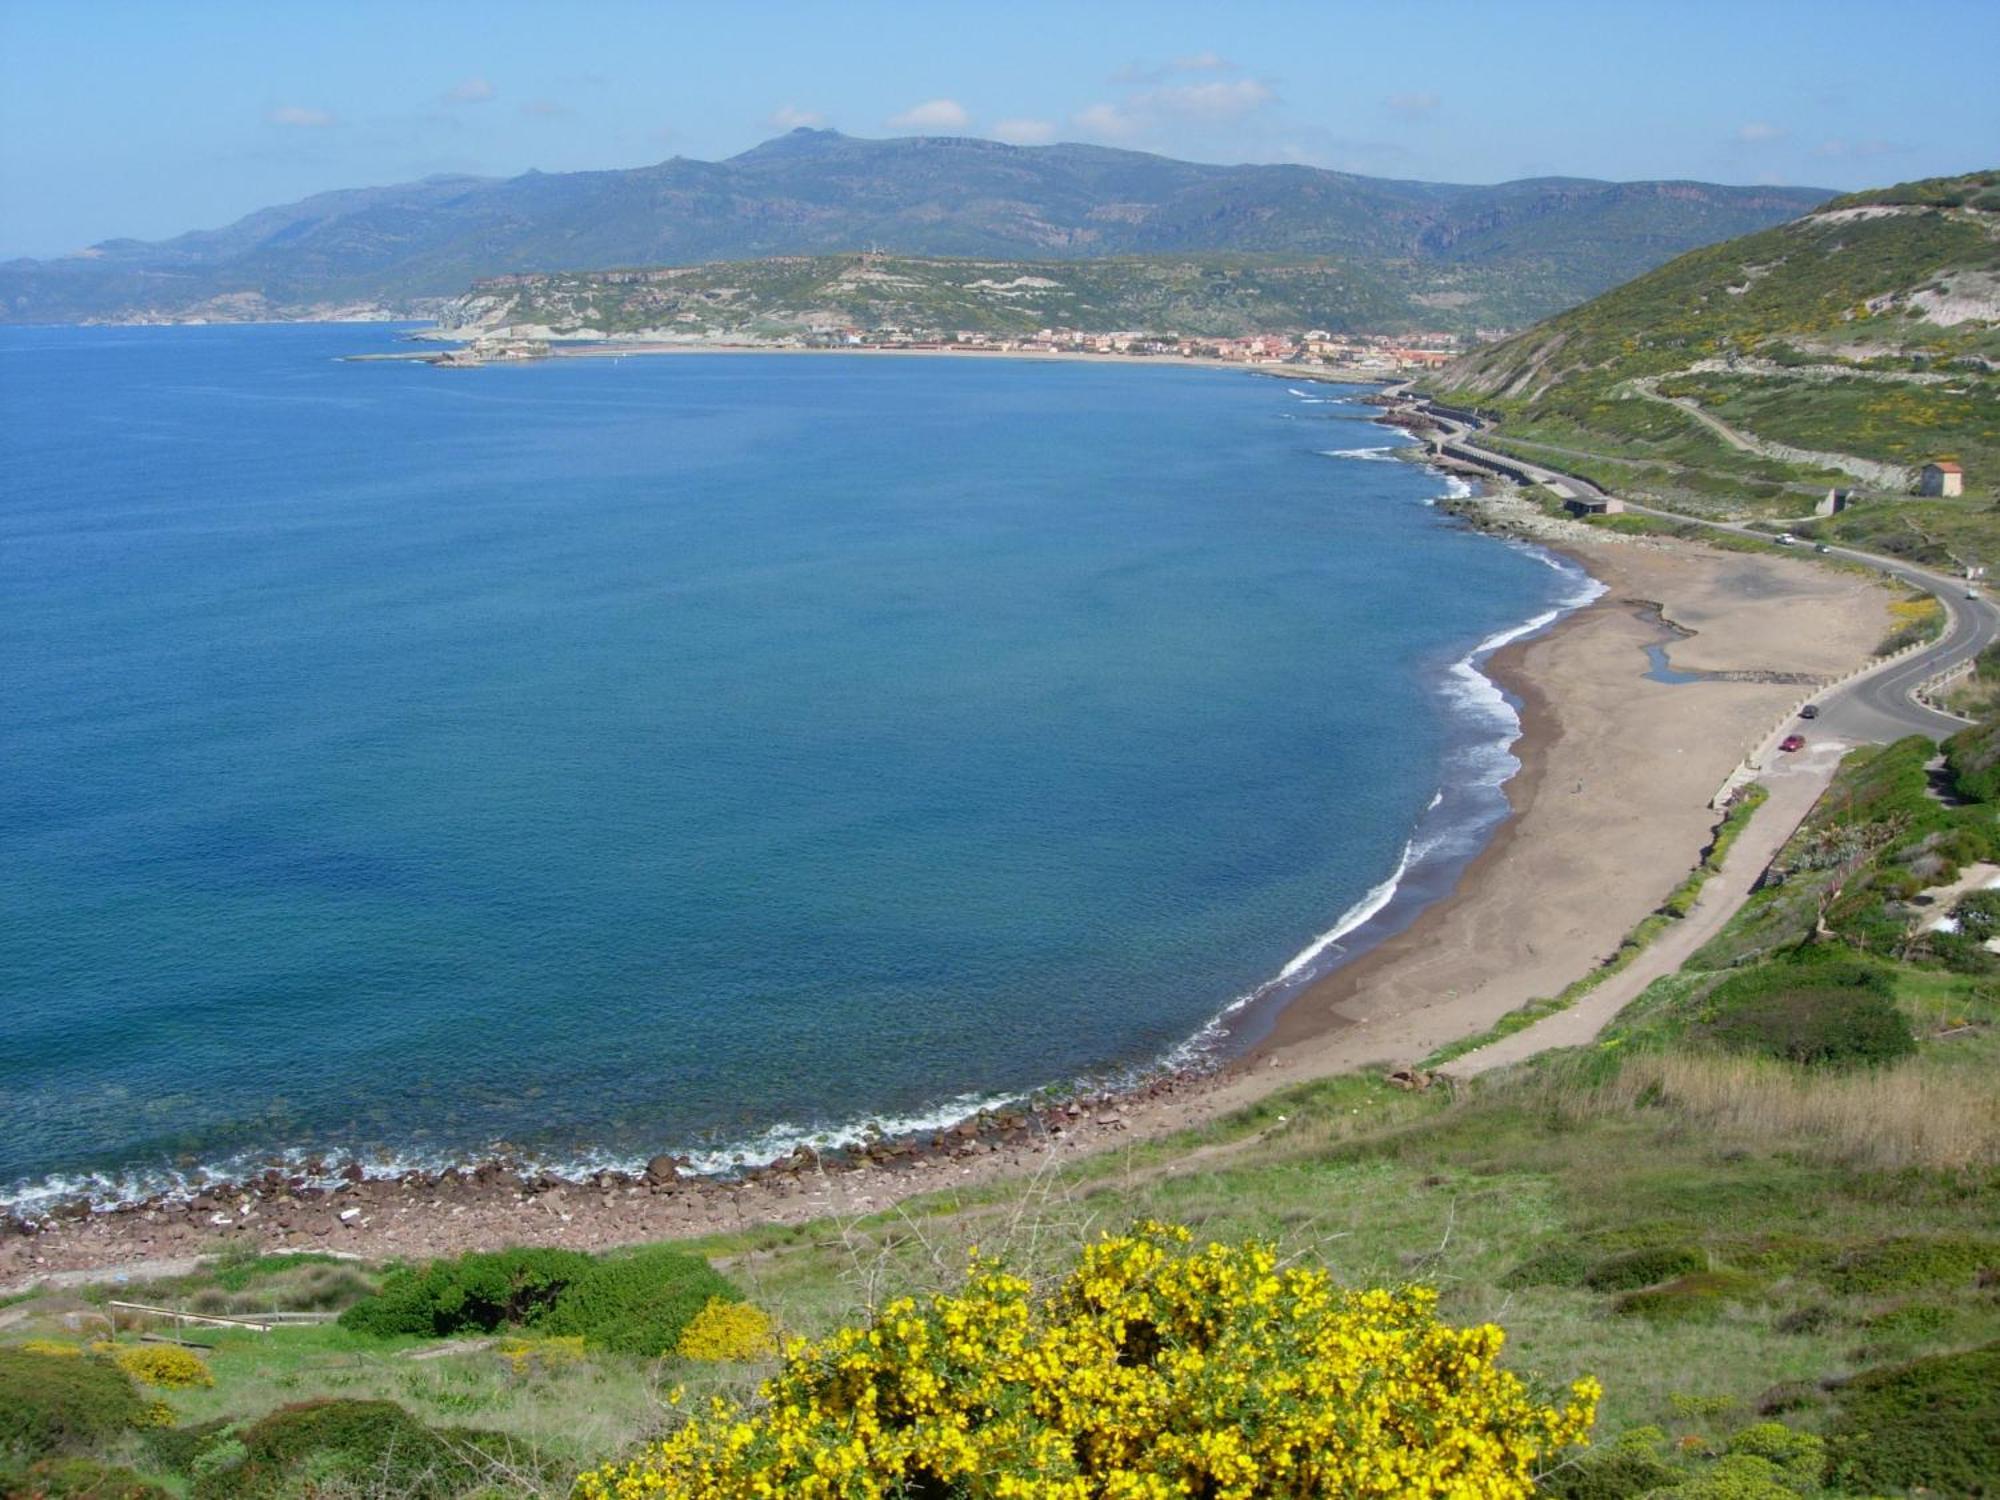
(1501, 254)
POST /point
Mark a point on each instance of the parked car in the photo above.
(1792, 742)
(1810, 711)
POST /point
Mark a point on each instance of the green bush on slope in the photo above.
(50, 1405)
(1933, 1423)
(634, 1303)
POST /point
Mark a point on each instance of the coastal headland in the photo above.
(1610, 811)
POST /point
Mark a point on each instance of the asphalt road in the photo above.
(1874, 708)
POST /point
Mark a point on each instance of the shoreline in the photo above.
(1316, 1027)
(1214, 1048)
(615, 348)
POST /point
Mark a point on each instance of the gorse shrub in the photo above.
(638, 1303)
(1906, 1261)
(1932, 1422)
(635, 1303)
(370, 1447)
(1637, 1268)
(79, 1479)
(164, 1366)
(1697, 1295)
(1152, 1370)
(725, 1330)
(474, 1293)
(1561, 1264)
(1829, 1015)
(51, 1404)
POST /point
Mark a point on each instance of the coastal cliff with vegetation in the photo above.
(1492, 256)
(1844, 350)
(816, 298)
(1748, 1230)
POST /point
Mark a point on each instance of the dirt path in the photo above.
(1794, 787)
(1867, 470)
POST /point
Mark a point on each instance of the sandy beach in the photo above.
(1610, 812)
(1323, 374)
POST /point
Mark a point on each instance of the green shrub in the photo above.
(1911, 1320)
(635, 1303)
(51, 1406)
(1646, 1267)
(1564, 1263)
(638, 1303)
(1618, 1473)
(1831, 1015)
(1911, 1261)
(1932, 1422)
(79, 1479)
(1800, 1455)
(474, 1293)
(1700, 1294)
(1736, 1476)
(177, 1448)
(317, 1446)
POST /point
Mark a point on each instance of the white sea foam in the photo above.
(1381, 454)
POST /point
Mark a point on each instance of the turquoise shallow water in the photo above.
(606, 756)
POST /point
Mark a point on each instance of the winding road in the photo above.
(1877, 706)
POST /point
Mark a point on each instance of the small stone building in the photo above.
(1593, 505)
(1942, 478)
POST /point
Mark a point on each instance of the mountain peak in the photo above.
(796, 141)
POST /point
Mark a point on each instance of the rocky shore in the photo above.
(340, 1208)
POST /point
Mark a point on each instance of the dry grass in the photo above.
(1903, 1116)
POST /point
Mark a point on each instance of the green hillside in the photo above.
(788, 297)
(1847, 348)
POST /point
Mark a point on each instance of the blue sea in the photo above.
(596, 757)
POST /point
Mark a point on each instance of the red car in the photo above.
(1792, 742)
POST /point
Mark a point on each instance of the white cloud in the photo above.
(298, 117)
(1024, 132)
(932, 114)
(1206, 101)
(1195, 62)
(787, 117)
(469, 91)
(1421, 102)
(1106, 122)
(546, 109)
(1759, 133)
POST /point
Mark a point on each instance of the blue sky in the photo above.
(147, 119)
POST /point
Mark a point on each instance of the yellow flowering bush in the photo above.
(163, 1365)
(55, 1347)
(725, 1330)
(1153, 1370)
